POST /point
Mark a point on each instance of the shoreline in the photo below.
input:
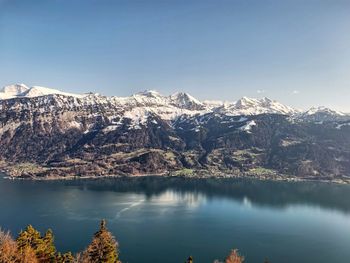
(199, 176)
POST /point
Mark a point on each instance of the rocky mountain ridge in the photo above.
(48, 133)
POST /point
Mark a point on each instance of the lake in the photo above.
(167, 219)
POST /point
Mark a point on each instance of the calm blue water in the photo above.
(165, 220)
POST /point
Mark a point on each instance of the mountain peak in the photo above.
(266, 99)
(186, 101)
(37, 91)
(21, 90)
(246, 101)
(179, 103)
(323, 109)
(14, 89)
(253, 106)
(184, 97)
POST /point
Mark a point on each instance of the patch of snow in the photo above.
(73, 125)
(248, 126)
(289, 142)
(112, 127)
(138, 116)
(339, 126)
(242, 119)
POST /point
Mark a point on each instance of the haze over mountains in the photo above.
(66, 134)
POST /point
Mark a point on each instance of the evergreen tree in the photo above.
(103, 247)
(46, 251)
(43, 247)
(65, 258)
(30, 237)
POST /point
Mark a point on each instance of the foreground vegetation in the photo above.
(32, 247)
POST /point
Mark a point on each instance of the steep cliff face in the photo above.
(62, 134)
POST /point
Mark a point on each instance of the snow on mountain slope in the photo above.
(169, 108)
(248, 126)
(149, 98)
(185, 101)
(319, 114)
(321, 109)
(37, 91)
(215, 103)
(250, 106)
(12, 91)
(21, 90)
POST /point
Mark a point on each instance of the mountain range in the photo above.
(46, 133)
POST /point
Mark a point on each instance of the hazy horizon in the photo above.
(296, 52)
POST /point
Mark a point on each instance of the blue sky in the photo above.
(295, 51)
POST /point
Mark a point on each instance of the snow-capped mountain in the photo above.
(171, 107)
(250, 106)
(67, 134)
(320, 114)
(186, 101)
(37, 91)
(21, 90)
(12, 91)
